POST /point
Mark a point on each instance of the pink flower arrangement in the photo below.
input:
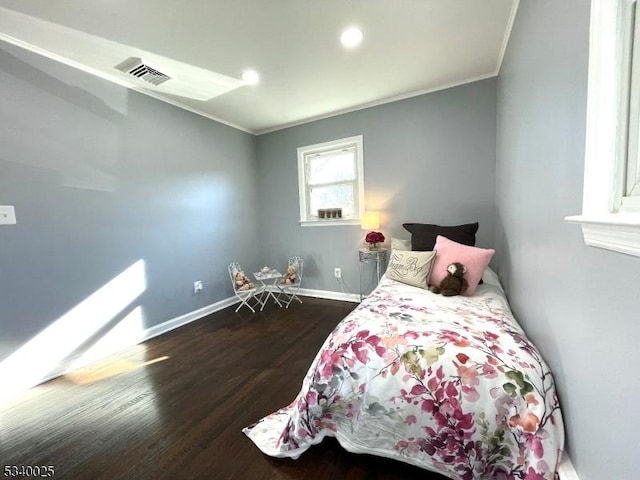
(374, 237)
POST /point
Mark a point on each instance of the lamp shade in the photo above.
(370, 221)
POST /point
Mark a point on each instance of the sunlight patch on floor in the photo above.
(106, 368)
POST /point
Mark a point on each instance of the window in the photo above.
(330, 176)
(611, 199)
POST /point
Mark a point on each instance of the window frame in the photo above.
(605, 222)
(630, 200)
(308, 220)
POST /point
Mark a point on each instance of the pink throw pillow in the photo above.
(474, 258)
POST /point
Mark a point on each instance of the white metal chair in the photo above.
(245, 296)
(289, 292)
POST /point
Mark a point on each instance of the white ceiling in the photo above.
(410, 47)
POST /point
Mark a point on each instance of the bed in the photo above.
(449, 384)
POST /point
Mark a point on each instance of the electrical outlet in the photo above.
(7, 215)
(337, 272)
(197, 286)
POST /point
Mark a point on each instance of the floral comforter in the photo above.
(450, 384)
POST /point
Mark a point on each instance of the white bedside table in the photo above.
(368, 256)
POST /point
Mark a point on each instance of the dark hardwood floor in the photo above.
(174, 407)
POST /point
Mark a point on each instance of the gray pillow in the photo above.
(412, 268)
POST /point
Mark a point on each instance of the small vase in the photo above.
(373, 247)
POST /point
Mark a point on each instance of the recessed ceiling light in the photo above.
(351, 37)
(251, 77)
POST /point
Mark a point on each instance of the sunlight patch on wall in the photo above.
(35, 359)
(128, 332)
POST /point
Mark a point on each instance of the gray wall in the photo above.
(579, 304)
(102, 177)
(427, 159)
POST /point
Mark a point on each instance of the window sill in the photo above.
(619, 232)
(329, 223)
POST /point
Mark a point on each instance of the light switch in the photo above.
(7, 215)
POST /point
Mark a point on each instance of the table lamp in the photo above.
(371, 221)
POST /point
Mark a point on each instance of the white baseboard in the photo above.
(177, 322)
(329, 295)
(185, 319)
(566, 470)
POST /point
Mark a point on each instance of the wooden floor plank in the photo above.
(174, 407)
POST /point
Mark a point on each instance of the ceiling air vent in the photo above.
(137, 68)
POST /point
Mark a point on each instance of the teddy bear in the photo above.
(454, 283)
(242, 282)
(289, 277)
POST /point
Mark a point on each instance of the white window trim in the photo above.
(320, 147)
(603, 224)
(632, 185)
